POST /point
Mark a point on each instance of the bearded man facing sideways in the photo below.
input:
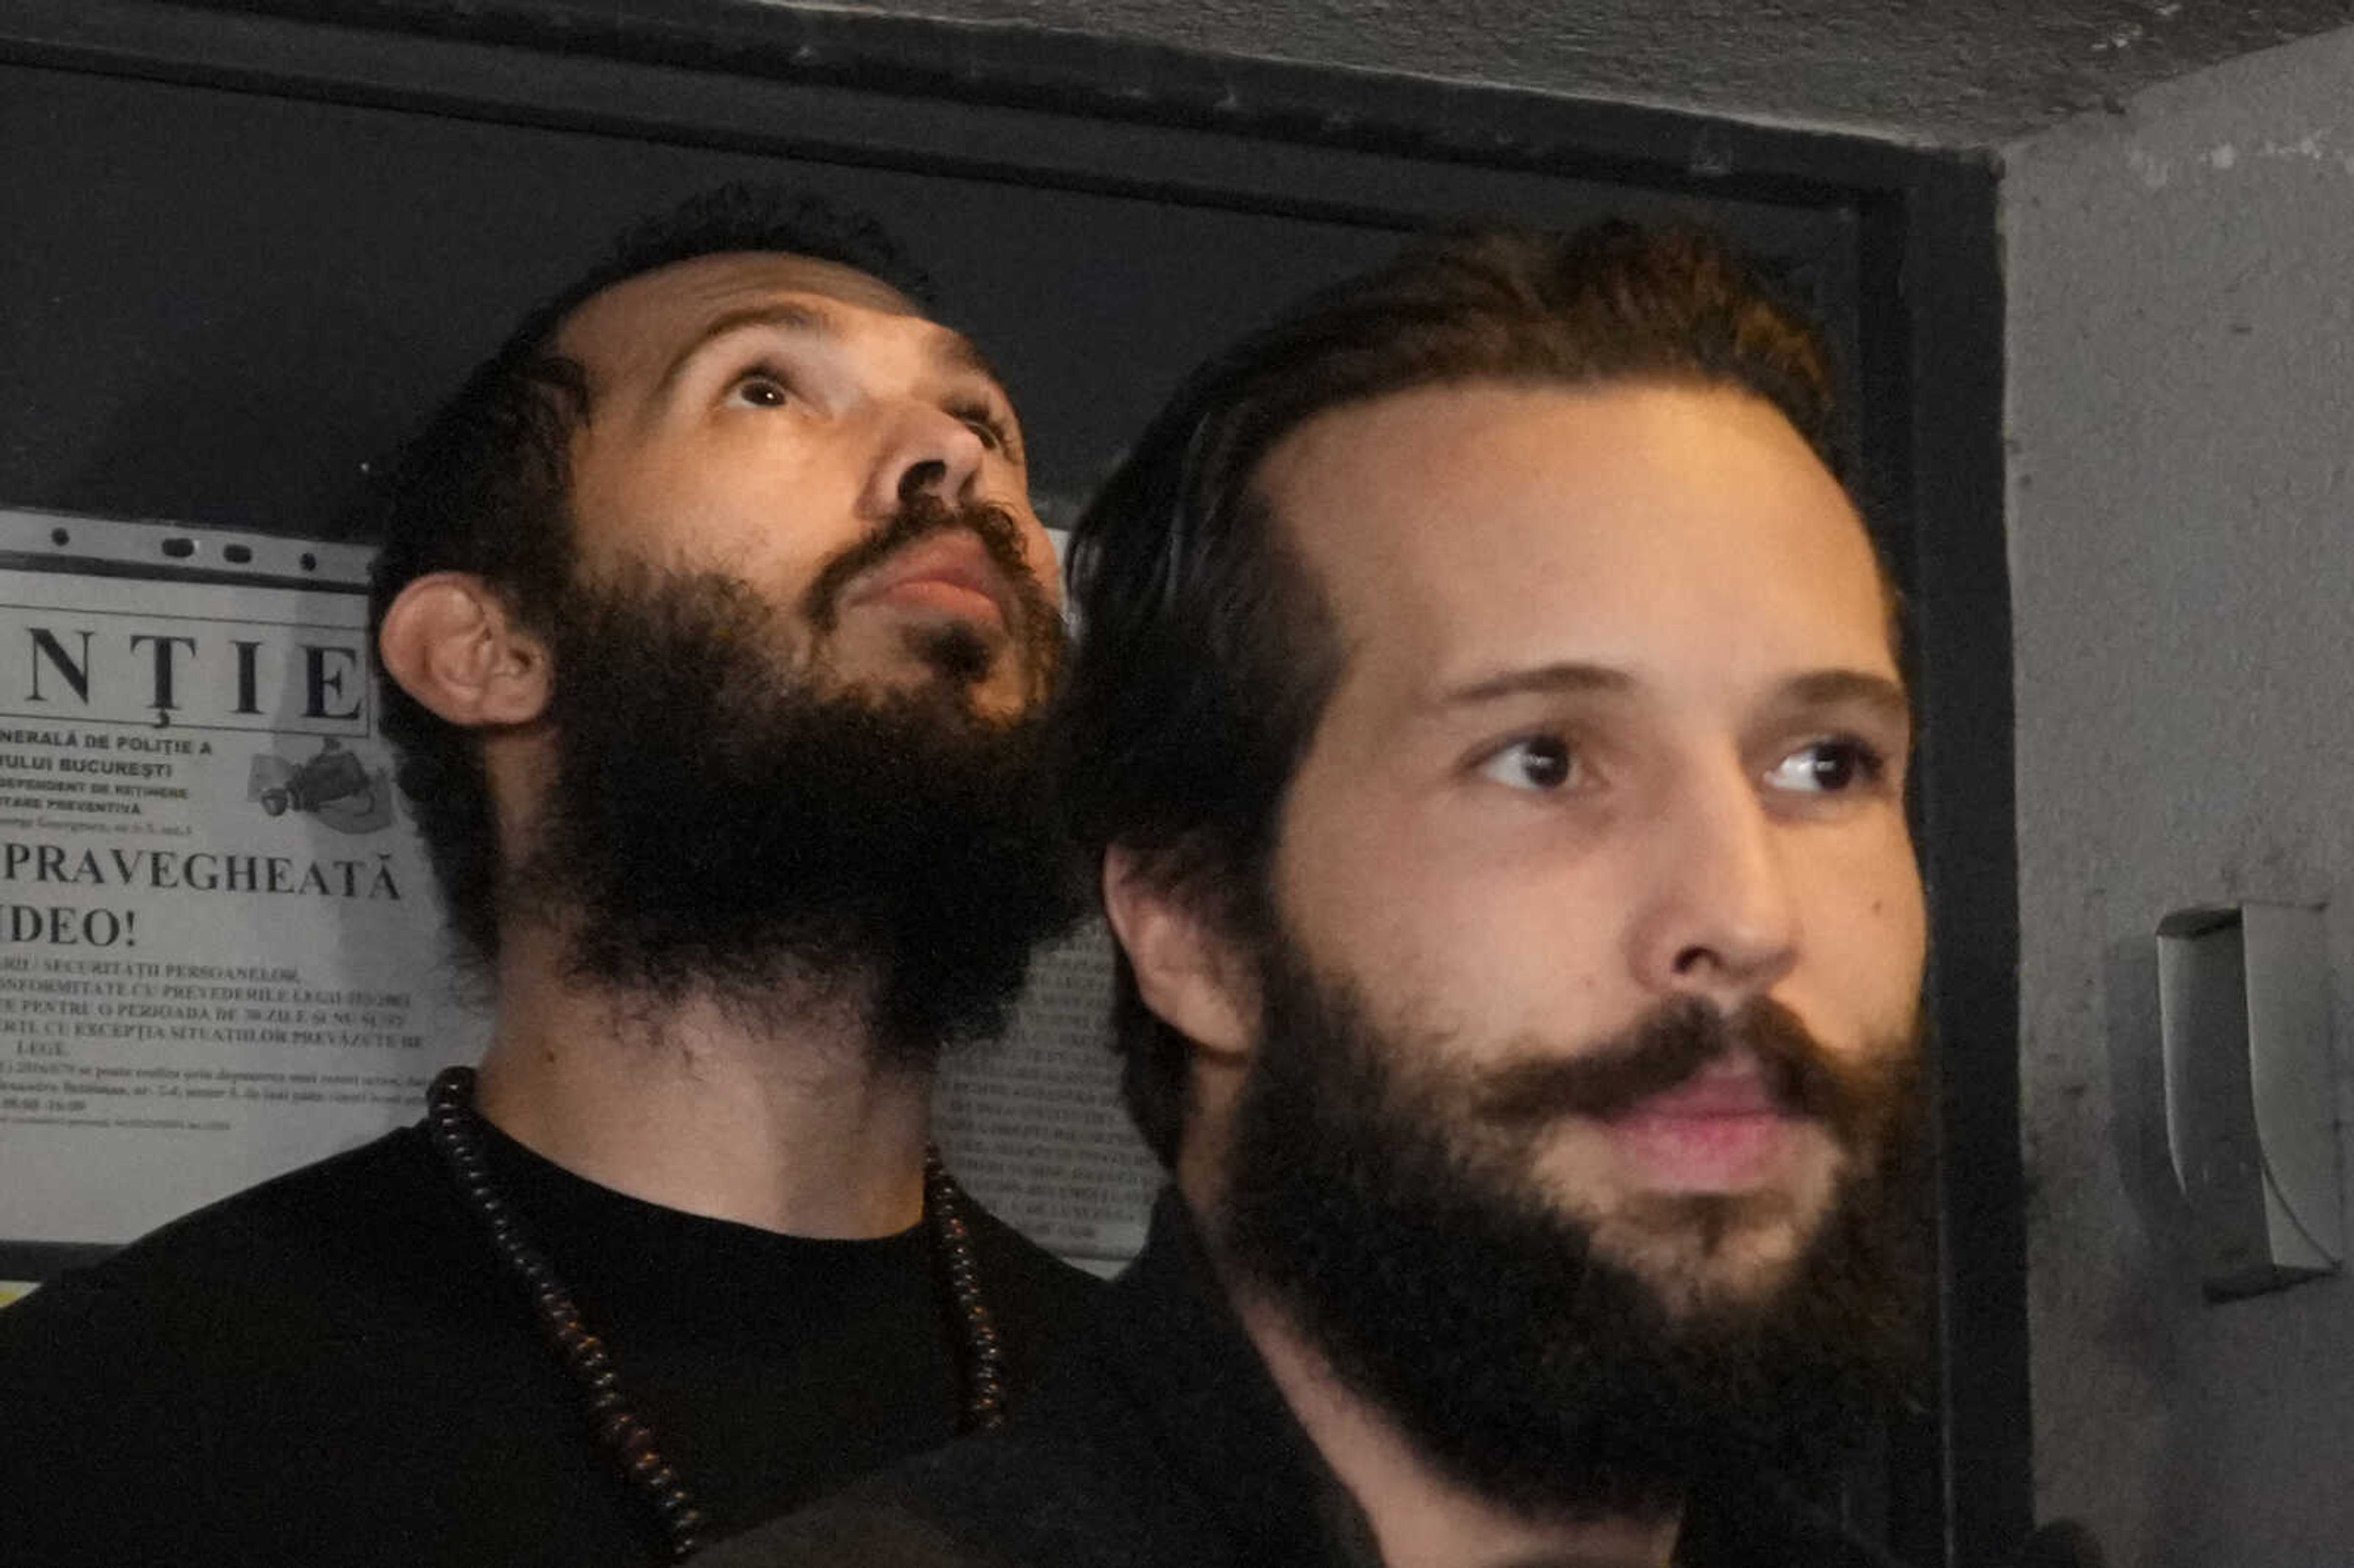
(1488, 722)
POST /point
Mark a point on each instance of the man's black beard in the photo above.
(1393, 1211)
(720, 827)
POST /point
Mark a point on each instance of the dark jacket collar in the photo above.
(1170, 1337)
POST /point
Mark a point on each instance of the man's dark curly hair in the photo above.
(484, 489)
(1208, 652)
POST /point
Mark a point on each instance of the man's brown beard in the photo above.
(721, 825)
(1391, 1206)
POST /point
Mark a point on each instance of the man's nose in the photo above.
(1717, 917)
(923, 449)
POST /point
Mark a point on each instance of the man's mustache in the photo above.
(920, 515)
(1665, 1048)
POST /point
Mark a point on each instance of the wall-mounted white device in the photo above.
(2251, 1103)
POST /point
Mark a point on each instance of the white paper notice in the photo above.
(1033, 1124)
(220, 951)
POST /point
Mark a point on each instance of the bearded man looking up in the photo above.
(714, 621)
(1489, 721)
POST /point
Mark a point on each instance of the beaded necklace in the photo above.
(455, 1129)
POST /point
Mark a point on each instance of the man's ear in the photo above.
(1187, 971)
(450, 642)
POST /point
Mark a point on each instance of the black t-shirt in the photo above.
(332, 1368)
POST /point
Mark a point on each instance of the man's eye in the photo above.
(1535, 762)
(761, 389)
(984, 421)
(1826, 767)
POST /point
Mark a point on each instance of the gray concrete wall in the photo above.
(1945, 72)
(2181, 390)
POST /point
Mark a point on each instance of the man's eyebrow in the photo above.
(1551, 679)
(1884, 695)
(788, 315)
(958, 351)
(1816, 688)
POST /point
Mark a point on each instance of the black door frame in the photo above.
(1037, 107)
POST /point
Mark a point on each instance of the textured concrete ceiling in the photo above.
(1955, 73)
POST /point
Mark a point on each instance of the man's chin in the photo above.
(1708, 1249)
(1708, 1255)
(967, 671)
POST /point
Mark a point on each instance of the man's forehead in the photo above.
(654, 312)
(1493, 513)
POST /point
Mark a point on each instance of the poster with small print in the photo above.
(220, 952)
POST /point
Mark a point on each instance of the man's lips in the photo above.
(948, 572)
(1733, 1085)
(1720, 1130)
